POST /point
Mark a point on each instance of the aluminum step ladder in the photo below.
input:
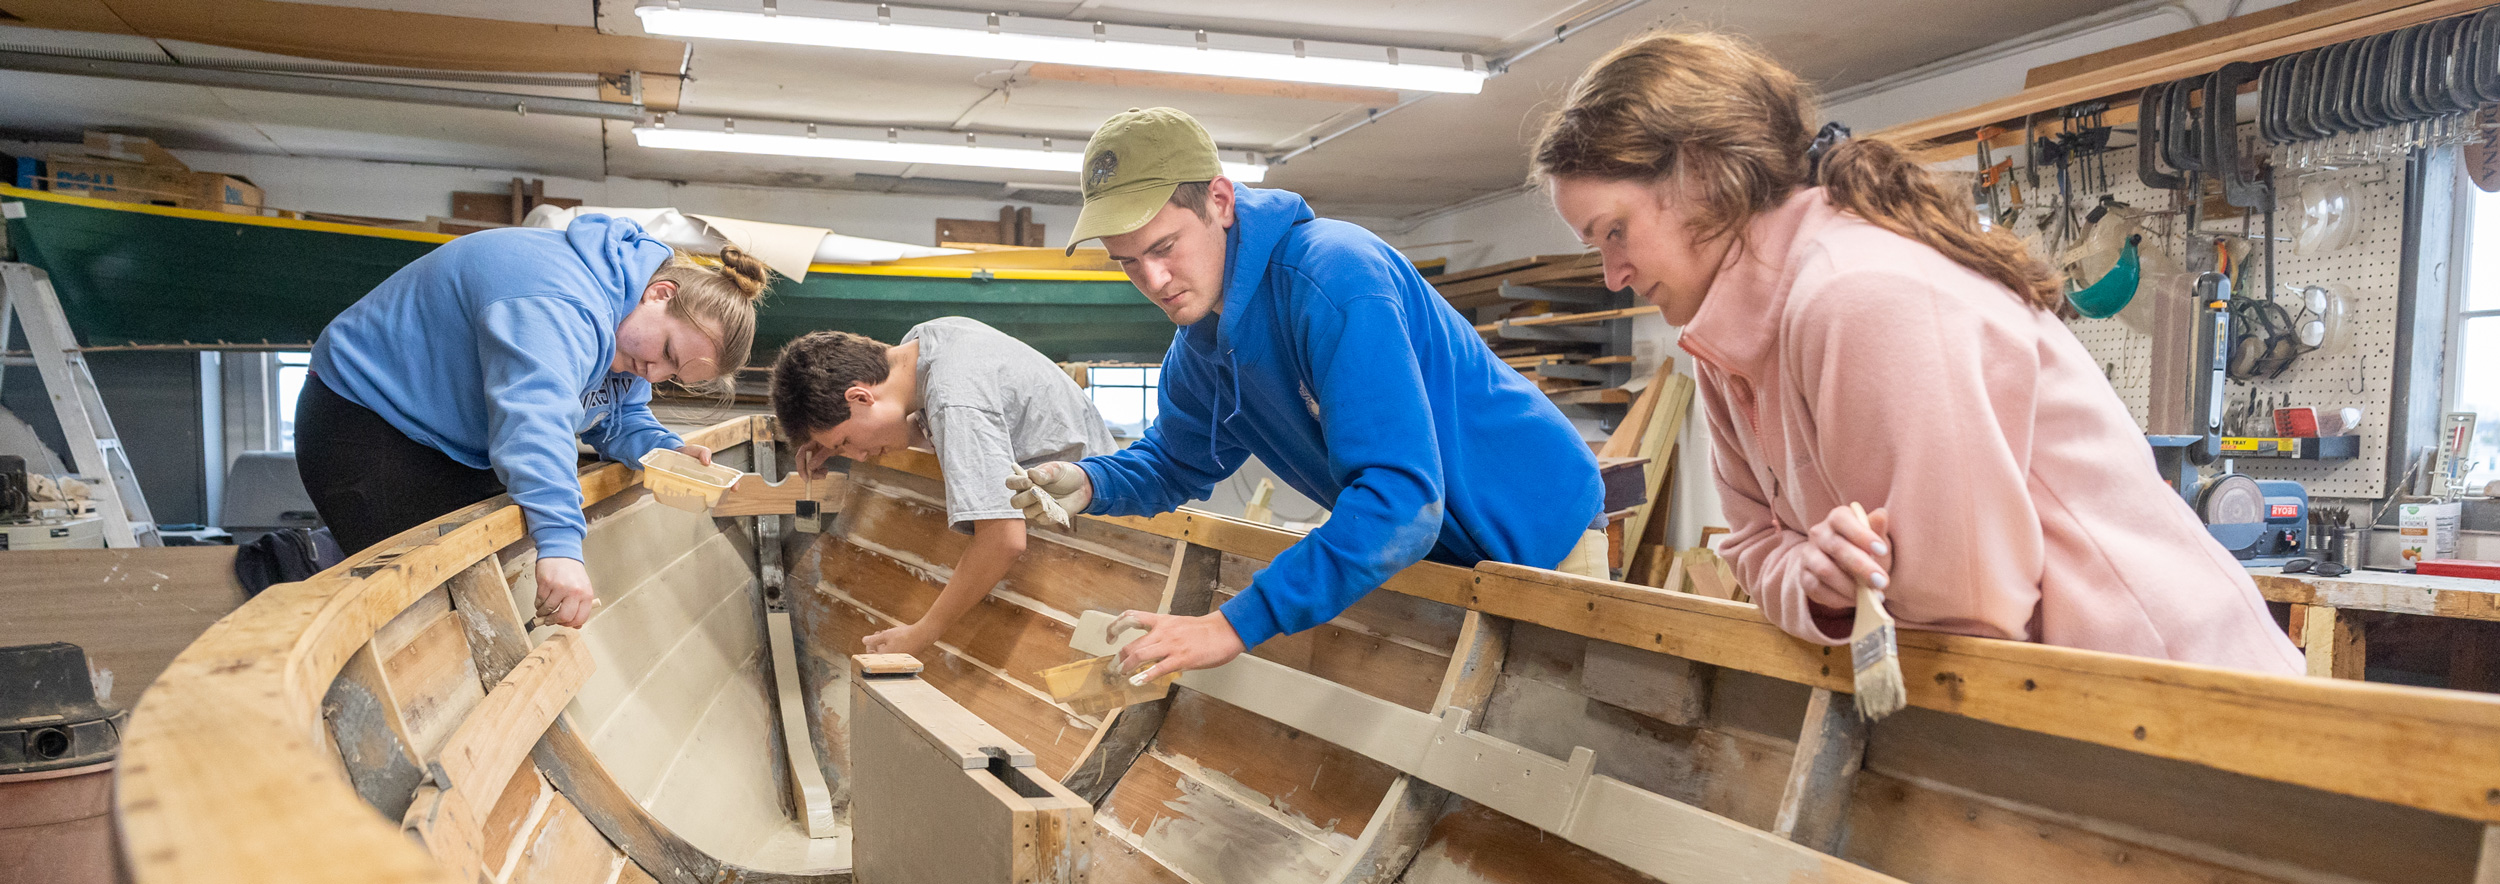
(27, 299)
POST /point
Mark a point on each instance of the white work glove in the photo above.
(1051, 491)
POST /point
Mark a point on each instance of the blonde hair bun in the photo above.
(745, 271)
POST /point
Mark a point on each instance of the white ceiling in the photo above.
(1440, 151)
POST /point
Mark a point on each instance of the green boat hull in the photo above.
(141, 278)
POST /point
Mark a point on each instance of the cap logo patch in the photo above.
(1099, 172)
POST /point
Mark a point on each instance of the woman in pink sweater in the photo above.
(1863, 340)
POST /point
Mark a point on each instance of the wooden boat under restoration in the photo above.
(1495, 724)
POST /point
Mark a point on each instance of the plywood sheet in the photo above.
(131, 610)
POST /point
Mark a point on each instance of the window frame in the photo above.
(1150, 385)
(2455, 316)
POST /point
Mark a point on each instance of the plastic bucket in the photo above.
(684, 482)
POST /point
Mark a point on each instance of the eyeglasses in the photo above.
(2322, 569)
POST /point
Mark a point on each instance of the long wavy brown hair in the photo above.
(1717, 111)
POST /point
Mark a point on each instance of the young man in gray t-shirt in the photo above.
(986, 403)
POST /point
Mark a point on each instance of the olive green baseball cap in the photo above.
(1133, 164)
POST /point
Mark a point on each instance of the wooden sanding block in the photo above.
(1096, 685)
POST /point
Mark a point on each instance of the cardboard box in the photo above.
(131, 149)
(131, 169)
(2427, 531)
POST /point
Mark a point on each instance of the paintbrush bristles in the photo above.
(1874, 651)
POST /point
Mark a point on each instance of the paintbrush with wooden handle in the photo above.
(1875, 651)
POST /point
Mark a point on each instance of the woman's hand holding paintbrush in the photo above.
(1847, 550)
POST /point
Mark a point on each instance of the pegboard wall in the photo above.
(2360, 373)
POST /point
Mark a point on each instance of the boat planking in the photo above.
(1461, 726)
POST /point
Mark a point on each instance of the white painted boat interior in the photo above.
(679, 708)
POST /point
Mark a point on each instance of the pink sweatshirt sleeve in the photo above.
(1759, 547)
(1923, 406)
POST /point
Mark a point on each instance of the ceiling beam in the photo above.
(373, 90)
(363, 36)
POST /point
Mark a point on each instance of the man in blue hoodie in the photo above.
(1317, 348)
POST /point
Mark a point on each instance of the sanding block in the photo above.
(1096, 685)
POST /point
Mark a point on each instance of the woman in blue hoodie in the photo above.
(471, 371)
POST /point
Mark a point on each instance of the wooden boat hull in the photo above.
(133, 275)
(2018, 762)
(1495, 724)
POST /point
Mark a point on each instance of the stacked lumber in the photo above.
(1543, 315)
(1639, 547)
(1468, 289)
(1637, 535)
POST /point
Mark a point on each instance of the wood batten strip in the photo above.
(1823, 775)
(808, 786)
(1399, 829)
(478, 760)
(753, 495)
(1648, 832)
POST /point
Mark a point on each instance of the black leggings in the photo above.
(368, 480)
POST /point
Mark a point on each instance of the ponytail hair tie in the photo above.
(1830, 137)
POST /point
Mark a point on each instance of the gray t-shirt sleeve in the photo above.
(976, 456)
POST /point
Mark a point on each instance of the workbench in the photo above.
(2333, 620)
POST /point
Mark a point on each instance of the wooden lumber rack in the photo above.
(1552, 318)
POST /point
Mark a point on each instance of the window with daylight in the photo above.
(293, 368)
(2474, 335)
(1125, 394)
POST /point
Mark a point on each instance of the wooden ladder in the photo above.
(26, 297)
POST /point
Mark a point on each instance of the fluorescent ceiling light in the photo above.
(972, 35)
(888, 151)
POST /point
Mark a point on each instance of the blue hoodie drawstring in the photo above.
(1215, 430)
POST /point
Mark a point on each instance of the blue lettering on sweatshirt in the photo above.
(494, 350)
(1338, 366)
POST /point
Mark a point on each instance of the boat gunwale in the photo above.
(226, 773)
